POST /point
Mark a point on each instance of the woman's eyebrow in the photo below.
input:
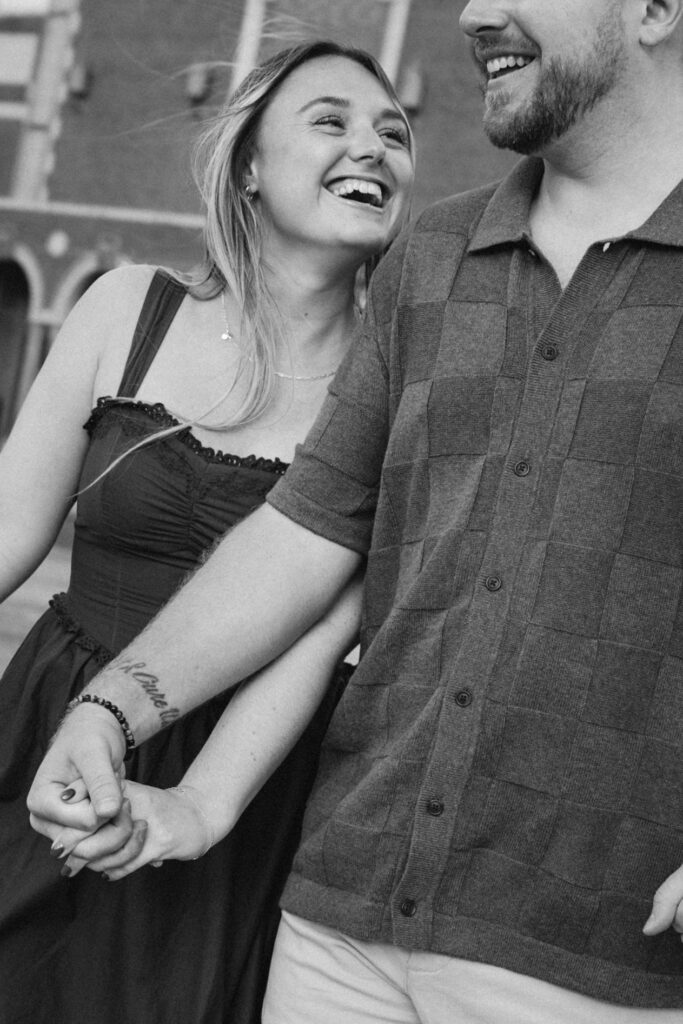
(340, 101)
(336, 101)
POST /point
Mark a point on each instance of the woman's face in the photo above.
(332, 165)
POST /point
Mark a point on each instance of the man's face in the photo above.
(543, 64)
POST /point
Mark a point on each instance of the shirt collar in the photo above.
(506, 218)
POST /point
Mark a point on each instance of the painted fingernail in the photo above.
(57, 849)
(66, 871)
(68, 794)
(106, 877)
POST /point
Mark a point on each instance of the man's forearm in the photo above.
(265, 584)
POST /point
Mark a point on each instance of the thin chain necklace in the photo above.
(227, 335)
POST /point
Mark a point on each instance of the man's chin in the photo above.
(520, 134)
(507, 137)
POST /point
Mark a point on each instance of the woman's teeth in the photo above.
(358, 189)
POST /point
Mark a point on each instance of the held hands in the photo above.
(167, 824)
(80, 801)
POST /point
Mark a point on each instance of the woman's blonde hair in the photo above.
(232, 233)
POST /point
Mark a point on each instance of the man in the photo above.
(500, 794)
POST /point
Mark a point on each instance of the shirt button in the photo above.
(550, 352)
(493, 583)
(435, 808)
(464, 698)
(408, 908)
(522, 468)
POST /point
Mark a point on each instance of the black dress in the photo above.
(188, 943)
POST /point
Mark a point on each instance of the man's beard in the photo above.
(567, 89)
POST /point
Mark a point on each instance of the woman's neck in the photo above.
(318, 315)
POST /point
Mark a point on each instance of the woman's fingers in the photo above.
(88, 745)
(74, 792)
(72, 865)
(66, 841)
(138, 857)
(108, 839)
(125, 860)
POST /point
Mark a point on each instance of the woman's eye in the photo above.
(332, 120)
(399, 135)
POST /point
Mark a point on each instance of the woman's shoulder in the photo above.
(106, 316)
(110, 308)
(127, 285)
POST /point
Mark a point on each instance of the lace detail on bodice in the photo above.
(101, 654)
(159, 414)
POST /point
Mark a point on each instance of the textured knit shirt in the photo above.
(503, 779)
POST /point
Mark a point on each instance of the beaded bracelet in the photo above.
(118, 714)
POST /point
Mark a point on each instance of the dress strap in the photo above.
(162, 300)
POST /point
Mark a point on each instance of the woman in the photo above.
(307, 177)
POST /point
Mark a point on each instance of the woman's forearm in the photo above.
(268, 714)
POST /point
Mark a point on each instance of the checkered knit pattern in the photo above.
(503, 780)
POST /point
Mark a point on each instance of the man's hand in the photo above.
(667, 906)
(90, 746)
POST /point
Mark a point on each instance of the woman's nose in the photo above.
(367, 145)
(482, 16)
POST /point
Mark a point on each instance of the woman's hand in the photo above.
(111, 836)
(168, 824)
(86, 752)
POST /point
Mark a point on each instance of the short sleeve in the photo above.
(332, 486)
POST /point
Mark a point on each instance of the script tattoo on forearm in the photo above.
(150, 684)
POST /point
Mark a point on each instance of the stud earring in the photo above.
(250, 193)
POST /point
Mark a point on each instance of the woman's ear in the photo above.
(251, 179)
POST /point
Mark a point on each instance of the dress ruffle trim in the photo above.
(158, 413)
(101, 654)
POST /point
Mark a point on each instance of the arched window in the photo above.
(14, 301)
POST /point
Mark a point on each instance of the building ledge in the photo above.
(118, 214)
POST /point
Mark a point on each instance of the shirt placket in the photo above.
(467, 678)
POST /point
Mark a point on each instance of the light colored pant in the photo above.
(320, 976)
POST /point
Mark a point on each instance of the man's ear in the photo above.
(659, 20)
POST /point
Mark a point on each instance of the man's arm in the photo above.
(265, 584)
(256, 731)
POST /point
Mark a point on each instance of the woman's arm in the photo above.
(41, 461)
(255, 733)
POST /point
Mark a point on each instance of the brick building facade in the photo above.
(99, 106)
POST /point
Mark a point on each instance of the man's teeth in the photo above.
(349, 186)
(498, 64)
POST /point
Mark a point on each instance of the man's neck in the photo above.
(599, 186)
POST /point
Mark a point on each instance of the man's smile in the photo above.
(503, 65)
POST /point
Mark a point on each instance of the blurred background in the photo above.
(100, 101)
